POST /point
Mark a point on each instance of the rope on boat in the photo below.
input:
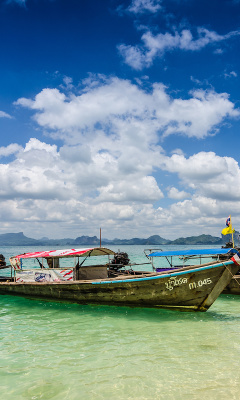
(233, 276)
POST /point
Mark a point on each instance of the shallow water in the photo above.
(52, 350)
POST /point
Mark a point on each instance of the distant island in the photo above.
(19, 239)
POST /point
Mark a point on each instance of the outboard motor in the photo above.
(120, 260)
(2, 261)
(228, 245)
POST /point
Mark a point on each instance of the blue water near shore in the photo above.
(62, 351)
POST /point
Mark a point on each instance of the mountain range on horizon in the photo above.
(19, 239)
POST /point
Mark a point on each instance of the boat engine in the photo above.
(120, 260)
(2, 261)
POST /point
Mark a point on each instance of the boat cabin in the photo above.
(61, 265)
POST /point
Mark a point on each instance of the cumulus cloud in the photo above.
(9, 150)
(174, 193)
(107, 172)
(208, 174)
(142, 190)
(34, 173)
(43, 187)
(41, 172)
(199, 215)
(153, 46)
(200, 115)
(118, 109)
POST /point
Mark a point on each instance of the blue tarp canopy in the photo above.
(192, 252)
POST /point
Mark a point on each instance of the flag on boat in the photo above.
(228, 221)
(229, 229)
(236, 259)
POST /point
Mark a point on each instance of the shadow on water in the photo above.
(225, 308)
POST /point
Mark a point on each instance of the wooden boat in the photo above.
(234, 286)
(192, 287)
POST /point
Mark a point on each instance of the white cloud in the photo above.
(141, 6)
(47, 186)
(9, 150)
(202, 215)
(35, 144)
(231, 74)
(102, 175)
(117, 111)
(43, 193)
(67, 83)
(200, 115)
(209, 175)
(145, 189)
(142, 56)
(133, 56)
(174, 193)
(34, 173)
(177, 151)
(4, 115)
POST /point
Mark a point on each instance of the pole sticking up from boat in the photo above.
(229, 229)
(232, 230)
(100, 237)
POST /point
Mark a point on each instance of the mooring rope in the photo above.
(233, 276)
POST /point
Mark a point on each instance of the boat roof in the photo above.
(192, 252)
(86, 252)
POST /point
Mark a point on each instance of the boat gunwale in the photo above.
(151, 276)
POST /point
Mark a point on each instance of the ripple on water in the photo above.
(66, 351)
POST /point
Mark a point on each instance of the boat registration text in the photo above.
(175, 281)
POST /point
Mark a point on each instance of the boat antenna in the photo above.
(100, 237)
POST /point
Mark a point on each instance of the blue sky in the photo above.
(122, 115)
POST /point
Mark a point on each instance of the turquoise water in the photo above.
(61, 351)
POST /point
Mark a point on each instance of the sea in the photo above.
(63, 351)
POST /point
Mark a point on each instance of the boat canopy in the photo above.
(94, 251)
(192, 252)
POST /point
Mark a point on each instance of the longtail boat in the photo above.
(234, 286)
(61, 275)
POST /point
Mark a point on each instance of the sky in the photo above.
(122, 115)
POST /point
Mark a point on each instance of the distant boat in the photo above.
(192, 287)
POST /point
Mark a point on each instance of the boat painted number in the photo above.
(194, 285)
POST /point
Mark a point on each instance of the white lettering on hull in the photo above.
(194, 285)
(175, 281)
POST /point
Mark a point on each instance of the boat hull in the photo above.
(234, 286)
(188, 289)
